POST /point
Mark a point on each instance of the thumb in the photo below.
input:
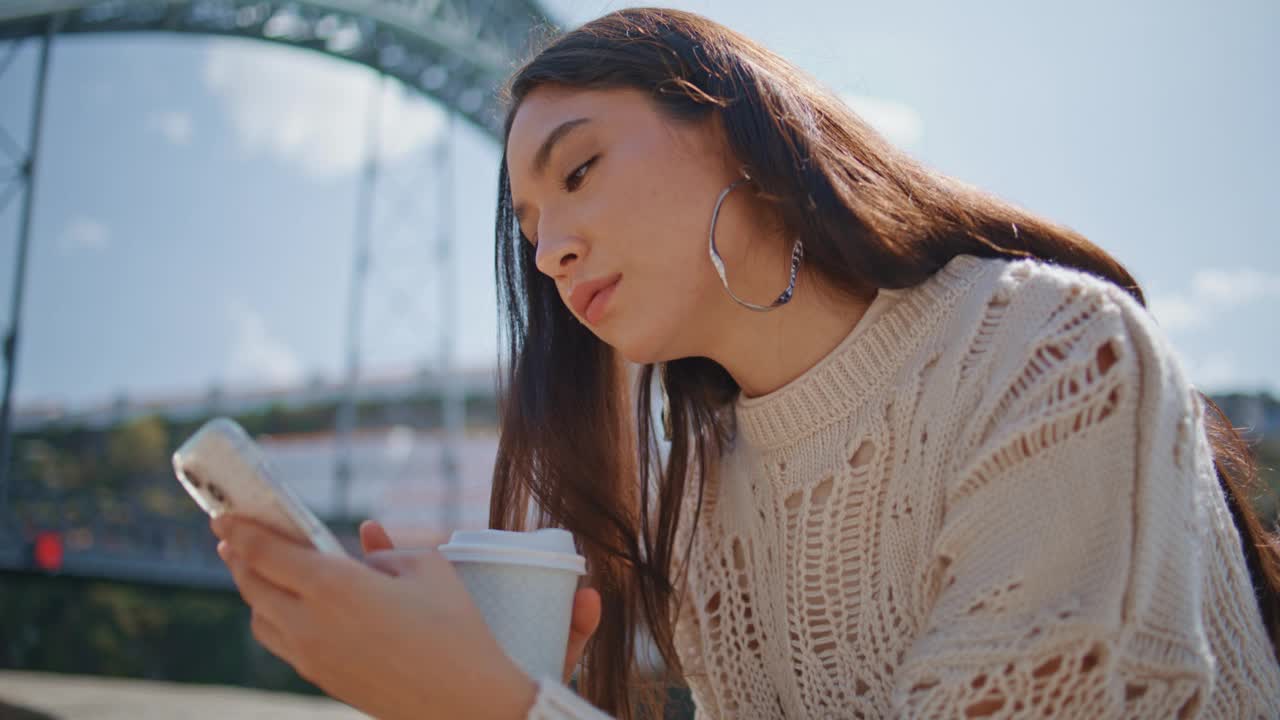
(586, 618)
(374, 537)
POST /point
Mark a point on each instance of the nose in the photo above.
(556, 255)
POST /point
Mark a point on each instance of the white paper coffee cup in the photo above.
(523, 583)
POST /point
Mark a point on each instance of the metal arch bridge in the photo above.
(457, 51)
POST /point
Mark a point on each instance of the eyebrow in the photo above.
(543, 156)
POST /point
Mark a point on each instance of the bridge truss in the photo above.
(456, 52)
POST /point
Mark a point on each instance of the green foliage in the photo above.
(73, 625)
(278, 419)
(137, 447)
(1267, 498)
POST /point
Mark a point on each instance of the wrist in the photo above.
(514, 696)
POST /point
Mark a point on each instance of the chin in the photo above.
(640, 358)
(640, 348)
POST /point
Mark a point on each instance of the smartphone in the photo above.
(223, 469)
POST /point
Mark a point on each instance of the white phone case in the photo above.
(223, 469)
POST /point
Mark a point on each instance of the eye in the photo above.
(574, 180)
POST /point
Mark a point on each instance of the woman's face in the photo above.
(617, 200)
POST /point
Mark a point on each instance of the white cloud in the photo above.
(1175, 312)
(897, 121)
(256, 355)
(84, 234)
(1213, 291)
(309, 110)
(175, 126)
(1216, 370)
(1229, 288)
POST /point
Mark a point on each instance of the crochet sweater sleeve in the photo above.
(1058, 585)
(557, 702)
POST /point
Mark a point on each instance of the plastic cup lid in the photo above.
(550, 548)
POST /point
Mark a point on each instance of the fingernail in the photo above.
(225, 552)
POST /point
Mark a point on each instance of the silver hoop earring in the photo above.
(797, 253)
(666, 401)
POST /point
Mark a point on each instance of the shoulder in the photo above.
(1031, 309)
(1047, 339)
(1042, 296)
(1006, 305)
(1062, 310)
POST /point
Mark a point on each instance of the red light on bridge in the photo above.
(48, 551)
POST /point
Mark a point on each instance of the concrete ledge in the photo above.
(72, 697)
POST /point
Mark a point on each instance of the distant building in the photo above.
(385, 390)
(1258, 415)
(398, 474)
(396, 450)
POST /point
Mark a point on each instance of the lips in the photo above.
(583, 296)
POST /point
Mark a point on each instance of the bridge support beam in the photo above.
(27, 179)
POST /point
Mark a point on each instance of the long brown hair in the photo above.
(869, 217)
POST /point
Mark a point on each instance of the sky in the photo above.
(196, 204)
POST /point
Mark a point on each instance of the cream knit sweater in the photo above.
(994, 499)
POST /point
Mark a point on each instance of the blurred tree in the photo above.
(74, 625)
(136, 447)
(1267, 501)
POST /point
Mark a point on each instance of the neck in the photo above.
(765, 351)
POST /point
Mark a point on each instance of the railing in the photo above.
(154, 550)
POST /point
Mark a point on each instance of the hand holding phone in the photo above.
(223, 470)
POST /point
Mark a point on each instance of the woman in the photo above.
(929, 456)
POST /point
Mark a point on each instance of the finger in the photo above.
(268, 635)
(258, 593)
(280, 560)
(395, 562)
(374, 537)
(585, 621)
